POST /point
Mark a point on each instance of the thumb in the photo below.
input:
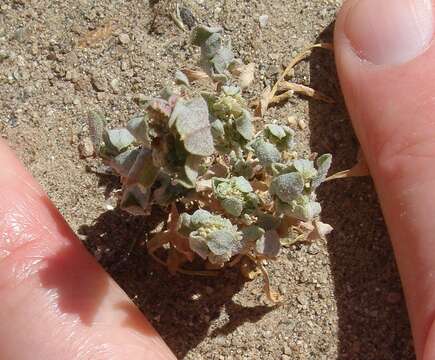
(385, 56)
(56, 301)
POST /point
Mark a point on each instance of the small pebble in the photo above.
(68, 75)
(124, 39)
(272, 70)
(302, 125)
(196, 297)
(313, 249)
(291, 120)
(110, 203)
(114, 84)
(101, 96)
(287, 350)
(4, 55)
(267, 334)
(99, 84)
(86, 148)
(220, 340)
(263, 20)
(12, 121)
(21, 34)
(124, 65)
(302, 299)
(67, 100)
(187, 17)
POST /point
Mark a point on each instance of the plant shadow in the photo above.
(181, 308)
(79, 284)
(372, 317)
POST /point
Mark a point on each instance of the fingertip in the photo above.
(55, 296)
(390, 100)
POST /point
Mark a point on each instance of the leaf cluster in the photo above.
(242, 191)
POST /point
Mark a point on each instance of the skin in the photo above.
(58, 303)
(392, 110)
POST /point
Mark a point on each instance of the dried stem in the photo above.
(269, 94)
(304, 90)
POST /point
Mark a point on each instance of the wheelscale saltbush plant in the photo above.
(234, 193)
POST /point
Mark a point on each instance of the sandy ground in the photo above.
(343, 298)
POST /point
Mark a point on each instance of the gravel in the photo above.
(342, 297)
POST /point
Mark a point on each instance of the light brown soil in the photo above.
(343, 298)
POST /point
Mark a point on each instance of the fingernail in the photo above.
(389, 31)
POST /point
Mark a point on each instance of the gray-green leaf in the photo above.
(252, 233)
(198, 245)
(306, 210)
(222, 59)
(323, 164)
(201, 33)
(135, 200)
(143, 170)
(266, 152)
(269, 245)
(305, 168)
(276, 131)
(287, 186)
(191, 119)
(221, 242)
(123, 163)
(232, 206)
(138, 127)
(181, 78)
(191, 167)
(199, 217)
(244, 125)
(117, 140)
(242, 184)
(268, 221)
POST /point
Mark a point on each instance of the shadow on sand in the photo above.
(180, 307)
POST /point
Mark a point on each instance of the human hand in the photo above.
(385, 57)
(56, 301)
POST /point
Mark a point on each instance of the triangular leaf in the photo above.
(276, 130)
(269, 245)
(138, 127)
(323, 164)
(244, 125)
(181, 78)
(201, 33)
(117, 140)
(123, 163)
(191, 120)
(305, 168)
(191, 168)
(242, 184)
(143, 171)
(135, 200)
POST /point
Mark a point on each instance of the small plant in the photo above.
(234, 192)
